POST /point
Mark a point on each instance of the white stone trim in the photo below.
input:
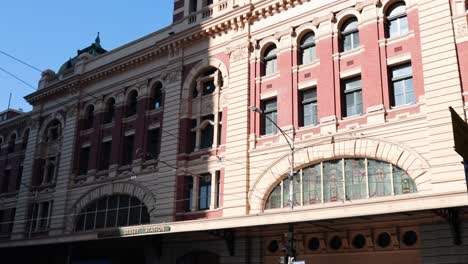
(413, 163)
(399, 59)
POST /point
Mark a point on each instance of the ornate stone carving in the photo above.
(239, 53)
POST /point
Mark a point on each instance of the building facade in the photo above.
(153, 153)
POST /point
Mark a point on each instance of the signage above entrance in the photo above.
(134, 231)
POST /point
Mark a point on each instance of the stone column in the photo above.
(63, 173)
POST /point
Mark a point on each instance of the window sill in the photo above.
(312, 64)
(266, 78)
(389, 41)
(349, 53)
(353, 117)
(108, 125)
(154, 111)
(129, 119)
(86, 131)
(403, 106)
(199, 211)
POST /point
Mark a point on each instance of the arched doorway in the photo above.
(199, 258)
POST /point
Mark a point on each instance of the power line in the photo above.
(21, 61)
(17, 78)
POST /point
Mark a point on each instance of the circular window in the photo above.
(273, 246)
(384, 240)
(335, 243)
(314, 244)
(410, 238)
(359, 241)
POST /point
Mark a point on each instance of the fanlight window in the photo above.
(112, 211)
(342, 180)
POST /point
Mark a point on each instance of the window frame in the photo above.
(270, 60)
(403, 79)
(354, 91)
(311, 101)
(352, 34)
(397, 18)
(303, 47)
(273, 111)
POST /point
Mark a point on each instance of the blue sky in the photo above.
(46, 33)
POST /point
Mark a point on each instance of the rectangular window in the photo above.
(18, 178)
(39, 167)
(6, 221)
(402, 85)
(309, 108)
(40, 217)
(6, 181)
(193, 135)
(204, 192)
(105, 156)
(127, 150)
(352, 97)
(84, 161)
(220, 128)
(189, 193)
(207, 132)
(193, 6)
(153, 143)
(51, 169)
(269, 117)
(218, 190)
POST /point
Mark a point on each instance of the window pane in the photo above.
(312, 185)
(274, 201)
(355, 40)
(402, 71)
(90, 217)
(403, 25)
(124, 203)
(409, 91)
(135, 212)
(380, 183)
(101, 213)
(207, 137)
(112, 211)
(80, 223)
(332, 181)
(393, 29)
(402, 182)
(205, 192)
(347, 43)
(355, 173)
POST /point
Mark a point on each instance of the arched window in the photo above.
(156, 96)
(11, 143)
(89, 117)
(25, 138)
(132, 102)
(53, 131)
(207, 133)
(112, 211)
(397, 21)
(270, 61)
(349, 35)
(110, 111)
(307, 49)
(342, 180)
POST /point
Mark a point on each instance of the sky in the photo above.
(47, 33)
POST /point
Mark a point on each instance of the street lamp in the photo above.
(290, 140)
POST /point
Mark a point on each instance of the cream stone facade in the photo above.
(155, 141)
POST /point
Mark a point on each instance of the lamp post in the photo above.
(290, 140)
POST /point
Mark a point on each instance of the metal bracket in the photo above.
(452, 216)
(229, 236)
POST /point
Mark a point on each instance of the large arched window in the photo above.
(204, 125)
(342, 180)
(307, 49)
(112, 211)
(270, 65)
(88, 121)
(109, 111)
(156, 96)
(132, 102)
(349, 34)
(397, 21)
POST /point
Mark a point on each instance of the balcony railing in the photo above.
(211, 11)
